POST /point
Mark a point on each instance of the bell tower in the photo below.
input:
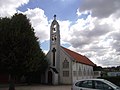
(54, 33)
(55, 44)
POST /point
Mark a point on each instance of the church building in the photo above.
(65, 66)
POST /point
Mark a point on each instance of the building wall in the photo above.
(65, 72)
(81, 71)
(48, 58)
(76, 70)
(113, 74)
(54, 75)
(97, 74)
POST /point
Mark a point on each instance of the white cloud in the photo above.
(100, 44)
(64, 31)
(39, 23)
(97, 36)
(100, 8)
(9, 7)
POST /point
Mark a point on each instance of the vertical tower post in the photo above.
(55, 43)
(55, 49)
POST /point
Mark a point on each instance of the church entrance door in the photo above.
(49, 77)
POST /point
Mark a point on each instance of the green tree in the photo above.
(4, 27)
(20, 52)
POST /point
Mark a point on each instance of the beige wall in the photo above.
(65, 80)
(76, 70)
(81, 71)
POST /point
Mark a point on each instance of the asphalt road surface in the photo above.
(40, 87)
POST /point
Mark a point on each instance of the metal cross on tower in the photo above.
(54, 17)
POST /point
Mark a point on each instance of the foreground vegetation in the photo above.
(20, 52)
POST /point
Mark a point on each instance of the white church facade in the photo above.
(65, 66)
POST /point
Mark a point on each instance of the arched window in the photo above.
(65, 64)
(80, 71)
(54, 37)
(74, 73)
(84, 71)
(88, 71)
(91, 72)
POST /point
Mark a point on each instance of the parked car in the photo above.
(94, 84)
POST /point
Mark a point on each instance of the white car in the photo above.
(94, 84)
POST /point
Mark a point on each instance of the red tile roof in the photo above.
(78, 57)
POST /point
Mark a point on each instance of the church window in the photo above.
(54, 50)
(54, 38)
(84, 72)
(54, 28)
(65, 73)
(74, 73)
(88, 72)
(65, 64)
(80, 71)
(91, 72)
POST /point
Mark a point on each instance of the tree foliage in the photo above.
(19, 49)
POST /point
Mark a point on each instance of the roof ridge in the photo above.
(73, 51)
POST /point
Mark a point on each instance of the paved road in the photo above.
(41, 87)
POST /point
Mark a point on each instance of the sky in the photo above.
(88, 27)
